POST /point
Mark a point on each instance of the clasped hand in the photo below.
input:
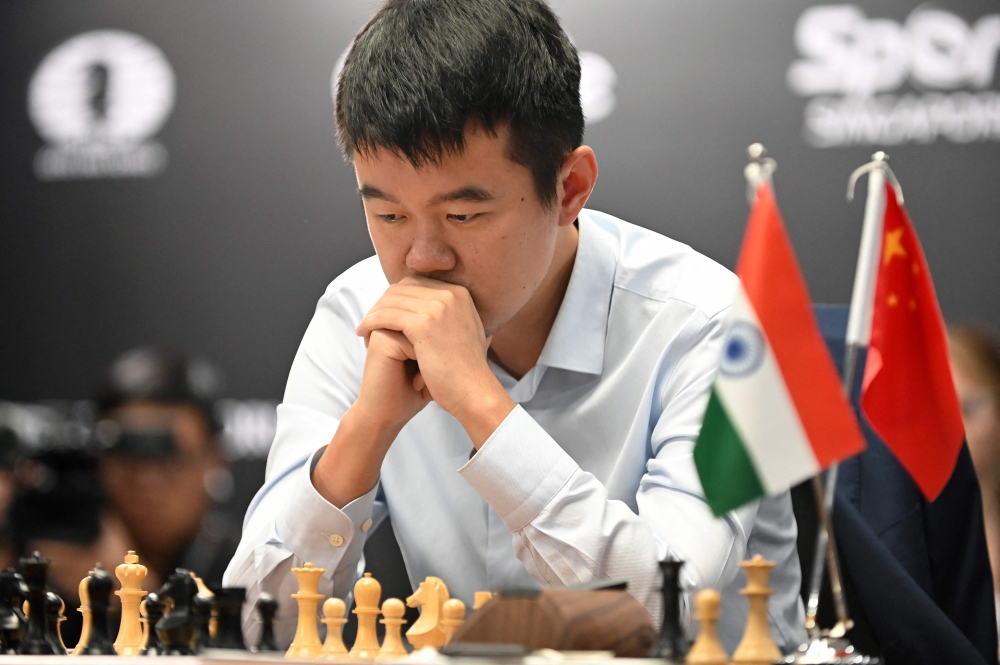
(426, 342)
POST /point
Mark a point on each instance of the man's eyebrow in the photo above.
(471, 193)
(369, 192)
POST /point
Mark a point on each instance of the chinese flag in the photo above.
(907, 395)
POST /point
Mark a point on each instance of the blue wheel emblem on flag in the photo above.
(744, 350)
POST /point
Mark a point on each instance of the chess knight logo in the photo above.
(874, 81)
(97, 100)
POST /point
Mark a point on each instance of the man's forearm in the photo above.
(349, 467)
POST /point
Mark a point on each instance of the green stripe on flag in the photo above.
(727, 474)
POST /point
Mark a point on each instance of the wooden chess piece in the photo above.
(152, 609)
(84, 609)
(130, 574)
(201, 616)
(35, 570)
(306, 644)
(757, 646)
(54, 607)
(430, 597)
(334, 610)
(671, 646)
(206, 637)
(95, 594)
(267, 609)
(367, 594)
(12, 622)
(177, 630)
(393, 610)
(229, 607)
(707, 649)
(452, 617)
(480, 598)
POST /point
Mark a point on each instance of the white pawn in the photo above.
(707, 649)
(393, 610)
(334, 610)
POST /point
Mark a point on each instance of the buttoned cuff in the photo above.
(519, 469)
(317, 531)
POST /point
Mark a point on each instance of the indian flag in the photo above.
(777, 413)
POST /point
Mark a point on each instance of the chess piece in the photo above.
(152, 609)
(201, 617)
(334, 610)
(671, 645)
(229, 607)
(206, 633)
(99, 587)
(130, 574)
(452, 617)
(177, 630)
(367, 593)
(35, 570)
(757, 646)
(481, 598)
(12, 622)
(393, 610)
(54, 607)
(707, 649)
(306, 644)
(267, 608)
(84, 609)
(430, 597)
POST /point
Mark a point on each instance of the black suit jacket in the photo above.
(917, 573)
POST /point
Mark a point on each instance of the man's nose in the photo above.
(429, 254)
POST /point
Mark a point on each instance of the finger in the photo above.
(398, 343)
(389, 318)
(418, 382)
(408, 302)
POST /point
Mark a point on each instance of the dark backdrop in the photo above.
(226, 250)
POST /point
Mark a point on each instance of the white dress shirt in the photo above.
(590, 477)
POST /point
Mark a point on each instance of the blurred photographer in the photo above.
(161, 466)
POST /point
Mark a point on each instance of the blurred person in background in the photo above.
(162, 467)
(975, 357)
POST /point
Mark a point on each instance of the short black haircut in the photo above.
(421, 70)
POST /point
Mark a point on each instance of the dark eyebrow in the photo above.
(470, 193)
(369, 192)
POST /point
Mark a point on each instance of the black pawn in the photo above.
(99, 589)
(201, 612)
(35, 570)
(154, 612)
(54, 607)
(267, 608)
(12, 623)
(178, 630)
(672, 645)
(229, 631)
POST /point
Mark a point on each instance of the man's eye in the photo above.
(463, 218)
(390, 217)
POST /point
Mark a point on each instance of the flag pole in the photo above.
(858, 336)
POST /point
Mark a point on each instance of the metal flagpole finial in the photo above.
(880, 161)
(759, 170)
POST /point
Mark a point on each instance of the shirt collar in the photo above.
(576, 341)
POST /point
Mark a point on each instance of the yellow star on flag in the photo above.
(893, 300)
(893, 246)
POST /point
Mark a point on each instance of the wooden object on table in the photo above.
(452, 617)
(757, 646)
(393, 610)
(131, 574)
(367, 594)
(563, 619)
(334, 610)
(430, 597)
(481, 598)
(707, 649)
(306, 644)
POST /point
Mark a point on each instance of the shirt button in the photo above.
(367, 524)
(336, 540)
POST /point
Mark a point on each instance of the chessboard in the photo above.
(185, 619)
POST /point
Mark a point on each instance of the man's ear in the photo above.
(577, 178)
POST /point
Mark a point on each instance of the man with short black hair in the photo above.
(517, 381)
